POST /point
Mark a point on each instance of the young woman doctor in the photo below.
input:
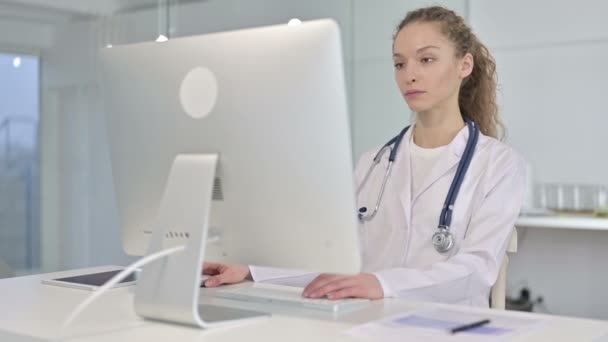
(447, 77)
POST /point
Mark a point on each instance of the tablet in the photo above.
(91, 281)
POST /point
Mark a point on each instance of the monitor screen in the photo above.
(271, 103)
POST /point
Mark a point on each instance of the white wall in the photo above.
(552, 71)
(14, 34)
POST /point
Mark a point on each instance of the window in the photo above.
(19, 180)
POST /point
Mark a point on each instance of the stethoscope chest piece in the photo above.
(443, 240)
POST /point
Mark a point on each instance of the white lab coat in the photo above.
(396, 244)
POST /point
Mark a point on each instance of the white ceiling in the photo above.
(81, 7)
(57, 11)
(30, 23)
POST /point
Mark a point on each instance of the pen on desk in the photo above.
(469, 326)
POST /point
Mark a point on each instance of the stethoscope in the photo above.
(442, 239)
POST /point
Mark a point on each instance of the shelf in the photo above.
(563, 222)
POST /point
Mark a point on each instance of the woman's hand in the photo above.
(224, 273)
(334, 286)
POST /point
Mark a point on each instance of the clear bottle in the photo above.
(601, 201)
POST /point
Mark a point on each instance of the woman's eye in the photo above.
(427, 60)
(398, 65)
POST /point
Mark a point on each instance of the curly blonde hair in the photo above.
(477, 96)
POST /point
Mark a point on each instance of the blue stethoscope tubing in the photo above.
(442, 240)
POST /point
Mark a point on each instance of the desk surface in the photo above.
(32, 311)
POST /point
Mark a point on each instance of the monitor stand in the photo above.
(168, 289)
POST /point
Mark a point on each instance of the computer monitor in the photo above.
(271, 103)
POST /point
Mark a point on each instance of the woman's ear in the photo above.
(466, 65)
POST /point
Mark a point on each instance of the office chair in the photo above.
(5, 270)
(499, 290)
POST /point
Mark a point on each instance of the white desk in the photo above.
(31, 311)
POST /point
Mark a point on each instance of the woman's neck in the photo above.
(434, 129)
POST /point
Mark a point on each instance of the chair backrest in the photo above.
(499, 290)
(5, 271)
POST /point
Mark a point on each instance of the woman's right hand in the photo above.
(225, 273)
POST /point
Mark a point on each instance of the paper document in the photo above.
(295, 281)
(435, 324)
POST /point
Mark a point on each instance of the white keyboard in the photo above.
(286, 295)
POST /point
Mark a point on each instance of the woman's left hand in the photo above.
(335, 286)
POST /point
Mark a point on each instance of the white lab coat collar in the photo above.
(447, 160)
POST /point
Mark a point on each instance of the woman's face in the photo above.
(427, 70)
